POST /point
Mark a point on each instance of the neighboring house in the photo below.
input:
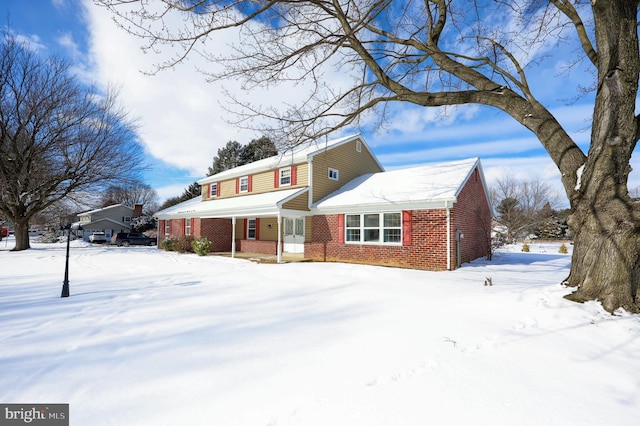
(334, 202)
(110, 220)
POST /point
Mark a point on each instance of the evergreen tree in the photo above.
(234, 154)
(258, 149)
(192, 191)
(228, 157)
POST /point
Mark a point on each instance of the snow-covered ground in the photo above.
(155, 338)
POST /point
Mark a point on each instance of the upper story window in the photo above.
(380, 228)
(244, 184)
(213, 190)
(126, 218)
(334, 174)
(359, 146)
(284, 176)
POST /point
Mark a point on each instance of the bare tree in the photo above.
(131, 193)
(435, 53)
(519, 204)
(57, 137)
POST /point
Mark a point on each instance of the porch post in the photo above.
(446, 206)
(233, 236)
(279, 238)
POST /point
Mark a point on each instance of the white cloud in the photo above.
(181, 116)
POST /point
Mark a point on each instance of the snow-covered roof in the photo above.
(101, 220)
(264, 204)
(281, 160)
(435, 185)
(113, 206)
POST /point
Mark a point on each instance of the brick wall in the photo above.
(428, 249)
(218, 231)
(254, 246)
(472, 216)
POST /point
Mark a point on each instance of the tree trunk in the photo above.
(605, 221)
(21, 229)
(606, 256)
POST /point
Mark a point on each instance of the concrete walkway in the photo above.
(266, 258)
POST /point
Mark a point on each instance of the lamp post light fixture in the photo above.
(65, 283)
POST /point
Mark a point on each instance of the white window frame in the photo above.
(167, 227)
(358, 228)
(213, 190)
(252, 228)
(358, 146)
(244, 183)
(187, 226)
(284, 176)
(333, 174)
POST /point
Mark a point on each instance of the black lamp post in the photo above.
(65, 283)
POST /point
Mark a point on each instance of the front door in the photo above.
(294, 234)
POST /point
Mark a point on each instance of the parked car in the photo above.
(131, 239)
(97, 237)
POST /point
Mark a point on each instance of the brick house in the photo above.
(334, 202)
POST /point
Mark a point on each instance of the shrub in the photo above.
(182, 244)
(525, 247)
(52, 237)
(201, 246)
(168, 243)
(563, 249)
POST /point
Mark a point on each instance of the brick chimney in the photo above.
(137, 210)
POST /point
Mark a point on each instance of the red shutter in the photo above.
(257, 229)
(218, 189)
(246, 222)
(184, 226)
(341, 228)
(294, 175)
(250, 183)
(276, 178)
(237, 185)
(406, 228)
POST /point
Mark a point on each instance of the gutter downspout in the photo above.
(279, 249)
(446, 206)
(233, 237)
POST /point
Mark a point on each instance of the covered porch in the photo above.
(265, 226)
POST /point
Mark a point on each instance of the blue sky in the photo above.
(182, 124)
